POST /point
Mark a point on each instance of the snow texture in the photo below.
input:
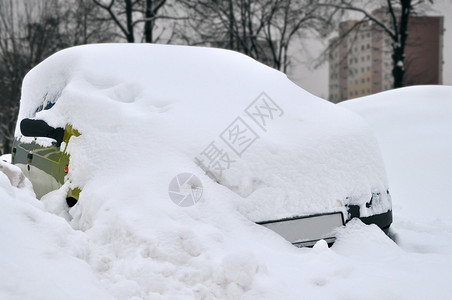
(145, 113)
(149, 112)
(413, 129)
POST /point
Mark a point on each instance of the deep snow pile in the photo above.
(125, 239)
(149, 112)
(42, 257)
(39, 256)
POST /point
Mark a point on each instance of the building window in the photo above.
(362, 80)
(368, 57)
(368, 79)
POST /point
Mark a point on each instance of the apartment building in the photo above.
(361, 62)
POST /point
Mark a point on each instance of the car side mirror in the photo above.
(39, 128)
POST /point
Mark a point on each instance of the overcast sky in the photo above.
(316, 81)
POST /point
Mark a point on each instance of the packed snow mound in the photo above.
(15, 176)
(149, 112)
(38, 249)
(413, 128)
(134, 243)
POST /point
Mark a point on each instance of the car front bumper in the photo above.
(305, 231)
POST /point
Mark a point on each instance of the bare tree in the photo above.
(395, 26)
(138, 18)
(151, 10)
(14, 65)
(262, 29)
(83, 23)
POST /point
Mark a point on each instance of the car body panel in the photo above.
(45, 166)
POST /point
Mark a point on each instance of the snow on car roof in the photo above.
(149, 112)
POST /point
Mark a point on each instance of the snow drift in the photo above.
(127, 240)
(149, 112)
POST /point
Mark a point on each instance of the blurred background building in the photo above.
(360, 60)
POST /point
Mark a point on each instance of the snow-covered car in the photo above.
(116, 122)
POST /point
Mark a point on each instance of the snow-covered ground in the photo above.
(126, 240)
(413, 129)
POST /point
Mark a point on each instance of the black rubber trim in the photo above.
(383, 220)
(71, 201)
